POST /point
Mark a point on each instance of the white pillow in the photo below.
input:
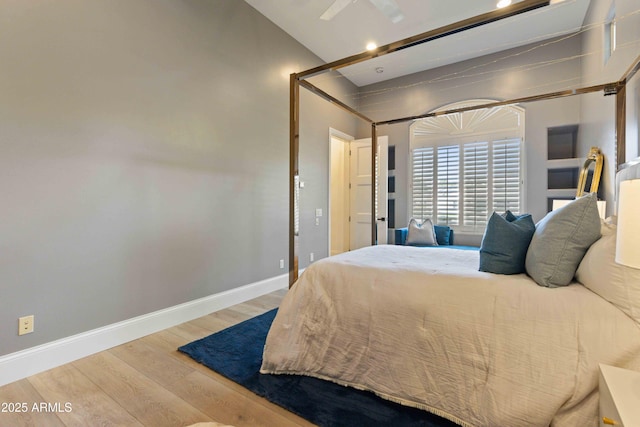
(618, 284)
(421, 234)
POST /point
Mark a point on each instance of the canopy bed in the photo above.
(427, 328)
(297, 80)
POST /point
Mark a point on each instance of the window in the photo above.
(462, 169)
(463, 184)
(610, 28)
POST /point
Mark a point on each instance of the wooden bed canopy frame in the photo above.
(617, 88)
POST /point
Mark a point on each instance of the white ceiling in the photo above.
(361, 22)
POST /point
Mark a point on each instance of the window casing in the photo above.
(464, 168)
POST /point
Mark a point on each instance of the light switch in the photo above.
(318, 212)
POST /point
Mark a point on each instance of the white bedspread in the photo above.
(425, 328)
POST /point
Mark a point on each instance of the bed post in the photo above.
(294, 128)
(374, 212)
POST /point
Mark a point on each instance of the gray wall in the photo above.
(501, 76)
(144, 157)
(598, 115)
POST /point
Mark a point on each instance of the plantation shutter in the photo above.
(476, 184)
(462, 184)
(506, 175)
(448, 185)
(422, 183)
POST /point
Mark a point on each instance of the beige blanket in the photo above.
(425, 328)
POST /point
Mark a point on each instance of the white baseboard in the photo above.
(24, 363)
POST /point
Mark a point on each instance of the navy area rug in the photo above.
(236, 353)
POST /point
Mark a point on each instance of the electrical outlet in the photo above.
(25, 325)
(281, 263)
(311, 257)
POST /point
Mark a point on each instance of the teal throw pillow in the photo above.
(505, 243)
(443, 234)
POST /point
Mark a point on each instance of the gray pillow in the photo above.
(421, 234)
(560, 241)
(505, 243)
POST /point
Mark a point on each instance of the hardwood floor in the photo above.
(146, 382)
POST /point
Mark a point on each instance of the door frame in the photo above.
(337, 134)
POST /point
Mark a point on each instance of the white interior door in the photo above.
(360, 192)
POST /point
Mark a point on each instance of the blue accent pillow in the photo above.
(561, 240)
(505, 243)
(442, 234)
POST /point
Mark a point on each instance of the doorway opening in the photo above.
(339, 203)
(350, 213)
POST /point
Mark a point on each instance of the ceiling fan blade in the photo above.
(334, 9)
(389, 8)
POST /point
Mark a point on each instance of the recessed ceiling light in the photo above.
(372, 46)
(503, 3)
